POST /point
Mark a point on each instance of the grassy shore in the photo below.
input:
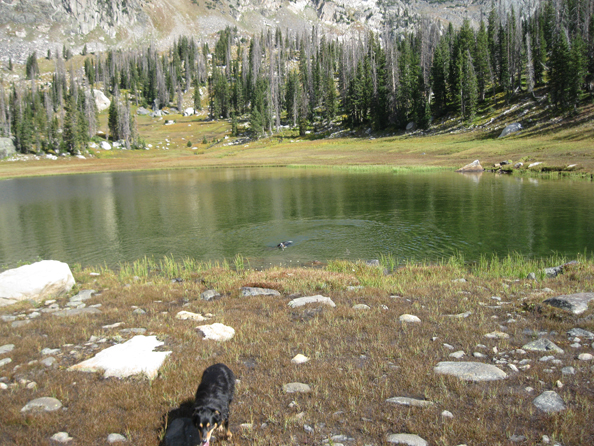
(556, 142)
(358, 357)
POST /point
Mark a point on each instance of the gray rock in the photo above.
(409, 318)
(136, 330)
(300, 301)
(373, 262)
(139, 311)
(182, 432)
(511, 128)
(209, 295)
(6, 348)
(542, 345)
(549, 402)
(116, 438)
(77, 312)
(247, 291)
(408, 439)
(553, 271)
(18, 324)
(5, 361)
(296, 388)
(576, 303)
(361, 307)
(470, 371)
(517, 438)
(47, 404)
(217, 331)
(49, 361)
(82, 295)
(7, 147)
(531, 276)
(50, 351)
(580, 332)
(142, 111)
(405, 401)
(101, 100)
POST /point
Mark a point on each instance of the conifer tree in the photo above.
(113, 119)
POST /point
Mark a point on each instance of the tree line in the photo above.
(305, 80)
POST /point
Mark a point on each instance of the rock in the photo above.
(6, 348)
(130, 358)
(142, 111)
(373, 262)
(581, 333)
(36, 282)
(209, 295)
(497, 335)
(50, 351)
(411, 126)
(47, 404)
(475, 166)
(531, 276)
(139, 312)
(553, 271)
(568, 371)
(182, 432)
(77, 312)
(511, 128)
(361, 307)
(405, 401)
(247, 291)
(188, 111)
(585, 357)
(576, 303)
(217, 332)
(5, 361)
(542, 345)
(156, 114)
(299, 359)
(61, 437)
(470, 371)
(169, 122)
(296, 388)
(82, 296)
(186, 315)
(534, 164)
(549, 401)
(7, 147)
(105, 145)
(300, 301)
(116, 438)
(408, 439)
(457, 355)
(101, 100)
(447, 414)
(49, 361)
(409, 318)
(518, 165)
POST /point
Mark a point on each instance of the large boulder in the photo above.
(6, 147)
(475, 166)
(101, 100)
(512, 128)
(35, 282)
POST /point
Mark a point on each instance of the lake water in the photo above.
(98, 219)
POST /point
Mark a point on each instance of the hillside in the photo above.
(40, 25)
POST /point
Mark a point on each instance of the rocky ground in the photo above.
(347, 353)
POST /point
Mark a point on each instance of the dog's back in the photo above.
(218, 383)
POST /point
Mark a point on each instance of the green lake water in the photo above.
(97, 219)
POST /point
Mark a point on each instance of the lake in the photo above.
(98, 219)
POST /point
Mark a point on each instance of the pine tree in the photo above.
(112, 119)
(70, 131)
(481, 59)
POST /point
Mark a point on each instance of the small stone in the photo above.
(50, 351)
(47, 404)
(497, 335)
(3, 386)
(361, 307)
(531, 276)
(542, 345)
(546, 358)
(246, 426)
(116, 325)
(217, 332)
(413, 402)
(586, 357)
(568, 371)
(5, 361)
(296, 388)
(209, 295)
(6, 348)
(61, 437)
(247, 291)
(559, 384)
(513, 367)
(139, 311)
(409, 318)
(48, 362)
(545, 439)
(299, 359)
(116, 438)
(32, 385)
(407, 439)
(479, 355)
(549, 401)
(448, 346)
(457, 354)
(517, 438)
(447, 414)
(186, 315)
(308, 429)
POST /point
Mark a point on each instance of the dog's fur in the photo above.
(213, 397)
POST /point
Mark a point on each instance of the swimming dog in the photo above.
(213, 397)
(283, 245)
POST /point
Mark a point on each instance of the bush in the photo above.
(189, 144)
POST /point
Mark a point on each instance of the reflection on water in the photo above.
(216, 214)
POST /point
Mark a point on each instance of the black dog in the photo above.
(213, 397)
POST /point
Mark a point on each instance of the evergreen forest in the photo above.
(280, 79)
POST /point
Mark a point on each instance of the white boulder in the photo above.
(217, 332)
(105, 145)
(130, 358)
(101, 100)
(188, 111)
(36, 282)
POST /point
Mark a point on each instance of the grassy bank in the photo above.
(358, 357)
(556, 143)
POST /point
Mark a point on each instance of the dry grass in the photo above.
(358, 358)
